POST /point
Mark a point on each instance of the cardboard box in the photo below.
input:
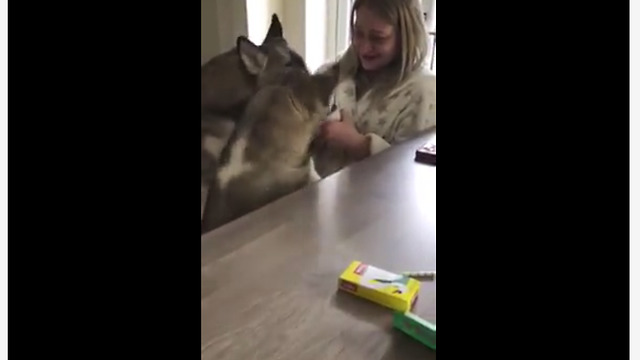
(397, 292)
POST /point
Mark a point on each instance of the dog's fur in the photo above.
(226, 87)
(268, 154)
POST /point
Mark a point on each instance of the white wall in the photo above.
(315, 33)
(342, 31)
(429, 6)
(259, 17)
(305, 25)
(291, 14)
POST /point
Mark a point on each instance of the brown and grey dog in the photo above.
(268, 155)
(226, 87)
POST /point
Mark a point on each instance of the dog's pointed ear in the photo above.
(275, 29)
(252, 57)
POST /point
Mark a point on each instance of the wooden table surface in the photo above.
(269, 279)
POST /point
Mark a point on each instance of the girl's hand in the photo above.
(343, 134)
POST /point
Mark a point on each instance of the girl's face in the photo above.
(375, 41)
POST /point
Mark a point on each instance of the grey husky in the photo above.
(226, 87)
(267, 156)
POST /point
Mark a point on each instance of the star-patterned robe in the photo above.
(405, 111)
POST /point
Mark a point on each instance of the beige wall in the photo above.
(208, 30)
(221, 22)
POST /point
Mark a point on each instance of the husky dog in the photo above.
(226, 87)
(268, 154)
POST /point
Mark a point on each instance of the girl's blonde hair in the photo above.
(407, 18)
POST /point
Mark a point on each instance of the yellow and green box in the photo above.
(397, 292)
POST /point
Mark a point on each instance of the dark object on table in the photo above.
(427, 154)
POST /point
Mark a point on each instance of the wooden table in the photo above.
(269, 279)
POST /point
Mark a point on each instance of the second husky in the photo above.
(268, 155)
